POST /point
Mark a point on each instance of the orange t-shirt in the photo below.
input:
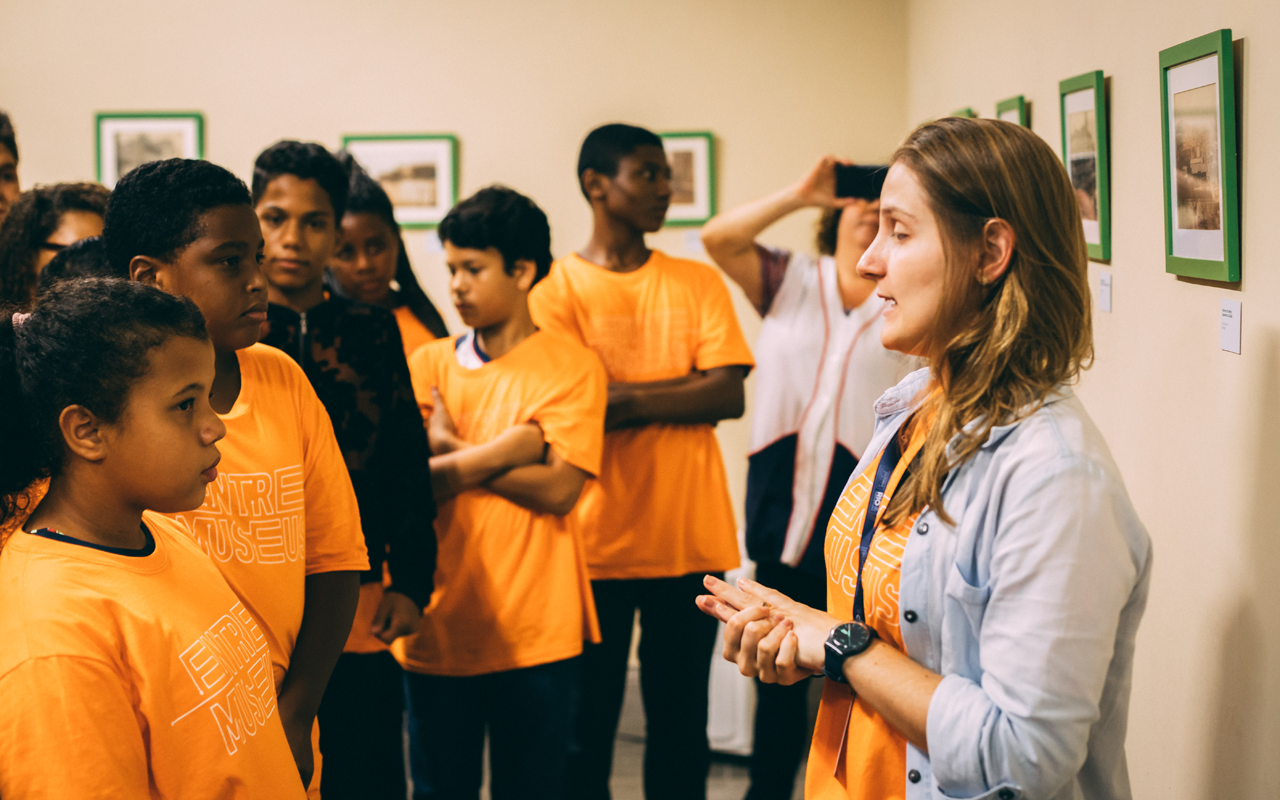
(133, 676)
(360, 640)
(511, 584)
(856, 754)
(282, 507)
(413, 334)
(661, 507)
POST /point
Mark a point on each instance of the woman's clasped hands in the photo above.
(767, 634)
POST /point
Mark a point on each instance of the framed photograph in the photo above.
(1083, 103)
(1198, 119)
(125, 140)
(692, 156)
(1014, 110)
(418, 171)
(967, 112)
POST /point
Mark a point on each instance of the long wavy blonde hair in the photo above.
(997, 350)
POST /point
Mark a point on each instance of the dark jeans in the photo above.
(528, 713)
(362, 729)
(676, 643)
(782, 712)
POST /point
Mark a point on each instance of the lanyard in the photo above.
(888, 461)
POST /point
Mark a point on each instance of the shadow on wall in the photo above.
(1246, 716)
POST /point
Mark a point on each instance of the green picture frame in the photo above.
(1014, 110)
(692, 155)
(967, 112)
(409, 167)
(1082, 103)
(1201, 209)
(125, 139)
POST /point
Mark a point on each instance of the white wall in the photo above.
(520, 84)
(1196, 430)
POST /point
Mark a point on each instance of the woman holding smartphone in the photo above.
(819, 368)
(986, 571)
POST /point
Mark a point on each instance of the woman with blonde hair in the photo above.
(986, 571)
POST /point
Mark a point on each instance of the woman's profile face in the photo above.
(907, 263)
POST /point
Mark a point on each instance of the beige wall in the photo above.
(519, 83)
(1194, 429)
(780, 83)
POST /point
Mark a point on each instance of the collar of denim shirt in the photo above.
(902, 398)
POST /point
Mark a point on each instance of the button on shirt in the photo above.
(1028, 606)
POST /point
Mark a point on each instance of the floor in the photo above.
(728, 779)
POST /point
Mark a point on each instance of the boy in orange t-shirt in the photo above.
(281, 521)
(499, 644)
(659, 517)
(352, 355)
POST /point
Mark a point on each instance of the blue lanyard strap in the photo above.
(888, 461)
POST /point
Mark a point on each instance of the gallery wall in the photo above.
(1196, 430)
(520, 84)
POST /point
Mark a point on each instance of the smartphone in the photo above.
(859, 180)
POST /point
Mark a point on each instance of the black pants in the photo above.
(528, 714)
(676, 644)
(362, 729)
(782, 712)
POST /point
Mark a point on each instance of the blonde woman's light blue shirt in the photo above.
(1028, 606)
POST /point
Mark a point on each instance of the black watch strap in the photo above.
(844, 642)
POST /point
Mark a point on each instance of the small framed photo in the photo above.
(1198, 120)
(1083, 103)
(129, 139)
(692, 156)
(967, 112)
(418, 171)
(1014, 110)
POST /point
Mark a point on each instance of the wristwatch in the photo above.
(845, 641)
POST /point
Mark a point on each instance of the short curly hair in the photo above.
(827, 231)
(156, 209)
(607, 145)
(305, 160)
(505, 220)
(86, 258)
(30, 223)
(86, 342)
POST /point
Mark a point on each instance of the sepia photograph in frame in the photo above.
(418, 171)
(691, 155)
(1197, 82)
(1014, 110)
(125, 140)
(1082, 103)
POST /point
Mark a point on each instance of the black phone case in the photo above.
(856, 180)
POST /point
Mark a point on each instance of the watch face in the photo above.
(840, 638)
(849, 639)
(859, 637)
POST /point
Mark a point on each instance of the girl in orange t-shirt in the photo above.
(128, 667)
(372, 266)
